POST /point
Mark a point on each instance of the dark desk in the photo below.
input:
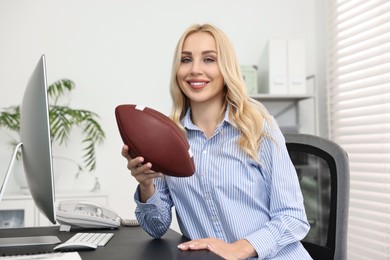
(128, 243)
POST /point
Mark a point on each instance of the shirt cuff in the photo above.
(263, 242)
(150, 206)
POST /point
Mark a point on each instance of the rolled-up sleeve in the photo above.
(288, 222)
(155, 216)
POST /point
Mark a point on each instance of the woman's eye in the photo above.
(185, 60)
(208, 60)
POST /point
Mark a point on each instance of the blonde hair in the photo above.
(246, 114)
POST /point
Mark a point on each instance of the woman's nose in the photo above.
(196, 68)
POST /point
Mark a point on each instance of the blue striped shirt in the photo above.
(231, 196)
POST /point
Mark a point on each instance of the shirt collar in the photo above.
(188, 124)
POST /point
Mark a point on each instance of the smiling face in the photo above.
(198, 75)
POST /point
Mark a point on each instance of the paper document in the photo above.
(51, 256)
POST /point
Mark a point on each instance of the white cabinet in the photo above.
(18, 210)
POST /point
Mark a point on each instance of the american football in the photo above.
(154, 136)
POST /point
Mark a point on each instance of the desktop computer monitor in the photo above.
(35, 147)
(36, 142)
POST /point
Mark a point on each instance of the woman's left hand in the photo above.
(231, 251)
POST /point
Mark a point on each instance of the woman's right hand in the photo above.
(141, 172)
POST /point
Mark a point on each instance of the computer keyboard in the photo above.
(98, 239)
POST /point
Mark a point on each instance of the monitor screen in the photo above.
(36, 153)
(36, 144)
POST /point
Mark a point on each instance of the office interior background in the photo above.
(120, 52)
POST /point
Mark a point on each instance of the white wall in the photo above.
(120, 52)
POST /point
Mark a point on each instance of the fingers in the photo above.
(194, 245)
(217, 246)
(136, 162)
(142, 172)
(132, 162)
(136, 167)
(125, 152)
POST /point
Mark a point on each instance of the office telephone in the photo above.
(86, 215)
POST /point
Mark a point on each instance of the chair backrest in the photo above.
(323, 170)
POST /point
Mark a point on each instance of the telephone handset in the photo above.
(86, 215)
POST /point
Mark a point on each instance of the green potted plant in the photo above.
(62, 120)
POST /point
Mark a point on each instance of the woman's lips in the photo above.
(198, 84)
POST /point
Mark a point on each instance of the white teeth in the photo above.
(197, 83)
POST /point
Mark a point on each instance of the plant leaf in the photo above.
(62, 120)
(10, 118)
(58, 89)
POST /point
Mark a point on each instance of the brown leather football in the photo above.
(154, 136)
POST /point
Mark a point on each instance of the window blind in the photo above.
(359, 117)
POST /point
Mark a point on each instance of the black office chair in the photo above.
(323, 171)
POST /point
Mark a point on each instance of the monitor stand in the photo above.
(9, 170)
(28, 241)
(22, 241)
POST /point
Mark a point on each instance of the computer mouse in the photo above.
(75, 246)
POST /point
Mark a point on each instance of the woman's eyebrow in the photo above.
(209, 51)
(203, 52)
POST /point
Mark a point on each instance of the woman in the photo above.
(244, 198)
